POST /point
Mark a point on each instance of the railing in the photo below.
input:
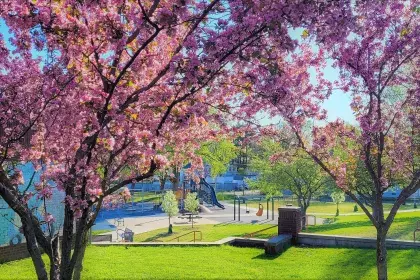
(416, 230)
(252, 234)
(193, 232)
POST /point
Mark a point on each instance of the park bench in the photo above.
(277, 244)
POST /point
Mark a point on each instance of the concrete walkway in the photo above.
(146, 224)
(216, 215)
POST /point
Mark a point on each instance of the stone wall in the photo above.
(320, 240)
(14, 252)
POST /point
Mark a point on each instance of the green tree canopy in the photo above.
(218, 155)
(298, 173)
(170, 205)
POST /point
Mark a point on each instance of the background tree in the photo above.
(191, 205)
(218, 154)
(170, 207)
(338, 197)
(295, 172)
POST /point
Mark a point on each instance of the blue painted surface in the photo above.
(10, 222)
(128, 211)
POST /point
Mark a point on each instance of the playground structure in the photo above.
(205, 192)
(244, 199)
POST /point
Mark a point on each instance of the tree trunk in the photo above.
(381, 254)
(66, 244)
(175, 180)
(304, 218)
(34, 250)
(162, 182)
(54, 260)
(303, 211)
(78, 267)
(79, 245)
(28, 227)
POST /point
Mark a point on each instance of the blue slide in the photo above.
(212, 193)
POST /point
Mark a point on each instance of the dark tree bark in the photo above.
(67, 243)
(381, 254)
(78, 268)
(175, 180)
(162, 182)
(55, 259)
(33, 249)
(7, 191)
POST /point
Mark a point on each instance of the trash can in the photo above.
(128, 235)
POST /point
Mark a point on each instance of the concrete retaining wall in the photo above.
(102, 238)
(14, 252)
(351, 242)
(234, 241)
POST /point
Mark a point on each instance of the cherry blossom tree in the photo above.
(138, 76)
(378, 63)
(26, 93)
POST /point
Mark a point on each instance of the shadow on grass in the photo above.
(355, 262)
(157, 236)
(263, 256)
(361, 263)
(226, 223)
(338, 225)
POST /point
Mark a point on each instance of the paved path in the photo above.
(145, 224)
(216, 215)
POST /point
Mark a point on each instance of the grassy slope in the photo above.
(230, 263)
(402, 228)
(146, 197)
(210, 232)
(325, 207)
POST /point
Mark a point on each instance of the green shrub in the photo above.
(356, 209)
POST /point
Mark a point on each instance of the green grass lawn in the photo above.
(402, 227)
(146, 197)
(225, 196)
(326, 207)
(230, 263)
(100, 231)
(209, 232)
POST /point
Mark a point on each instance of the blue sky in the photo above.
(337, 106)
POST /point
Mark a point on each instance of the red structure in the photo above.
(290, 221)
